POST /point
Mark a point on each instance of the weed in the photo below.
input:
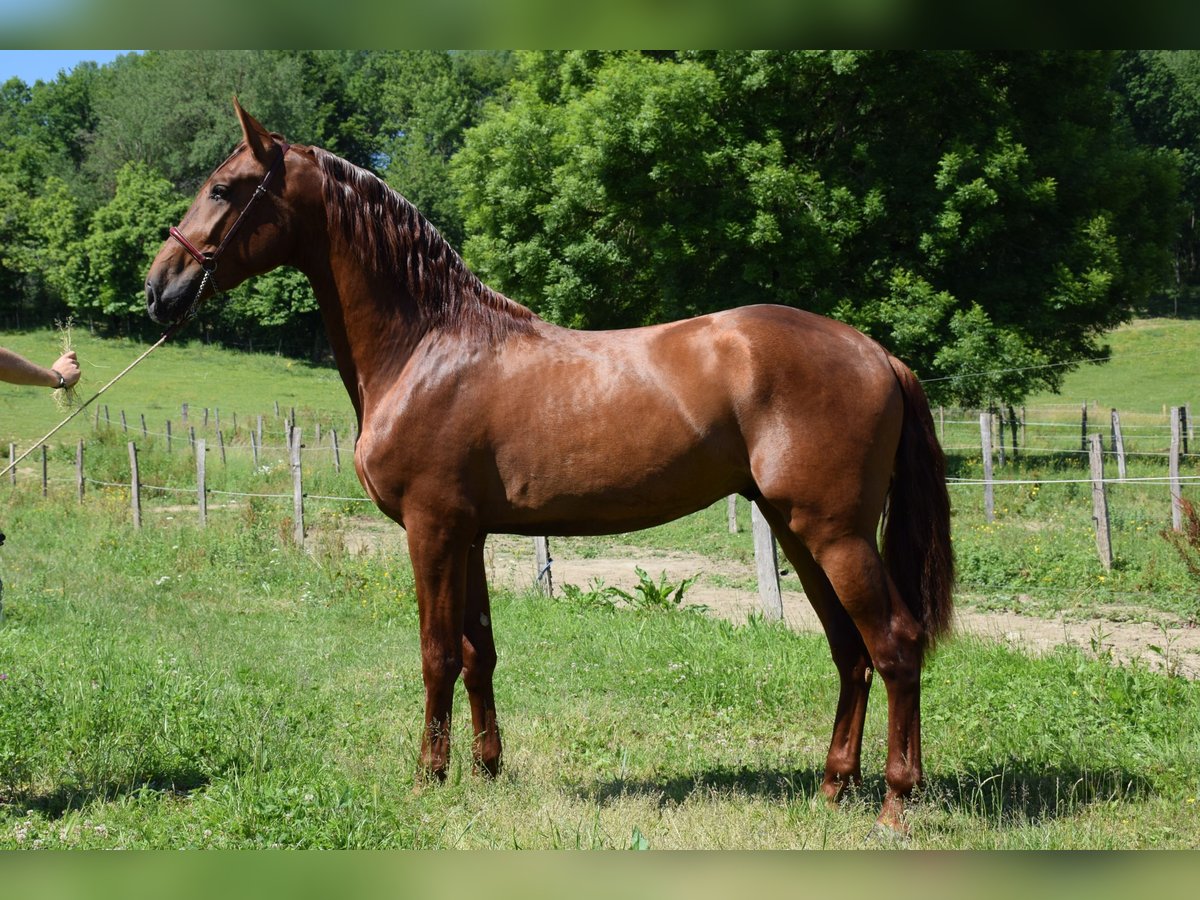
(1187, 544)
(594, 595)
(648, 594)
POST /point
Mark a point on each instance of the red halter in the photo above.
(208, 261)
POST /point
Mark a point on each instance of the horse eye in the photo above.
(218, 191)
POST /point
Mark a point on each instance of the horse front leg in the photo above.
(479, 662)
(439, 559)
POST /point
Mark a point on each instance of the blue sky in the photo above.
(31, 65)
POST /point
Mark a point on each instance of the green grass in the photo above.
(188, 688)
(184, 371)
(1153, 364)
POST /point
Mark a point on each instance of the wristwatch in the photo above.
(62, 382)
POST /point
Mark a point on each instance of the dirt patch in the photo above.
(727, 589)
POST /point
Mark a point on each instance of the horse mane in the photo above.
(395, 241)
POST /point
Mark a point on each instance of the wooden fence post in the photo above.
(12, 469)
(135, 489)
(337, 456)
(192, 435)
(297, 490)
(45, 480)
(1173, 469)
(201, 489)
(999, 418)
(543, 579)
(1100, 501)
(254, 448)
(1012, 427)
(259, 430)
(145, 431)
(79, 482)
(985, 437)
(1118, 443)
(183, 414)
(205, 425)
(221, 444)
(124, 423)
(731, 512)
(766, 560)
(168, 435)
(942, 424)
(1083, 436)
(1183, 425)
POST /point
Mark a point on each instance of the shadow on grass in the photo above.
(1013, 793)
(65, 798)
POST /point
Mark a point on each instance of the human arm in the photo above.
(15, 369)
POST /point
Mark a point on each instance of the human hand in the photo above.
(68, 367)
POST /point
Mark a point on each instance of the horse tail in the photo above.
(916, 527)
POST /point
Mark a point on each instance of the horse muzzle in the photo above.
(169, 301)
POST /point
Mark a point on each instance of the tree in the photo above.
(42, 132)
(425, 101)
(103, 275)
(171, 110)
(972, 211)
(1161, 93)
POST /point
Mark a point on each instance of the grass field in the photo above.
(248, 384)
(1154, 363)
(220, 689)
(179, 687)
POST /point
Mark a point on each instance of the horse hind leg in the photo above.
(843, 764)
(895, 642)
(479, 663)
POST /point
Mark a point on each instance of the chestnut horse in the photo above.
(477, 417)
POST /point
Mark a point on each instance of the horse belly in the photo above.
(616, 485)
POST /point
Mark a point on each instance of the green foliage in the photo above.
(1187, 544)
(172, 110)
(647, 594)
(1160, 90)
(972, 211)
(596, 594)
(105, 273)
(426, 99)
(620, 189)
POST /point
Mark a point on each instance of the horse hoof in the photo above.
(487, 769)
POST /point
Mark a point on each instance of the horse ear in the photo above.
(257, 138)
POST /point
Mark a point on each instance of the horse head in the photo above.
(237, 226)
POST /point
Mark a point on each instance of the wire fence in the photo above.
(255, 437)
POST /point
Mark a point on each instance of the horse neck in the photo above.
(386, 281)
(372, 339)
